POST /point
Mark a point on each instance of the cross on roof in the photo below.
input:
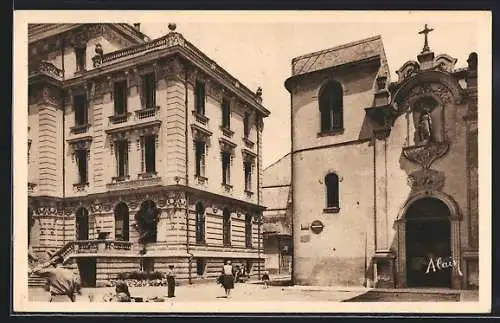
(426, 31)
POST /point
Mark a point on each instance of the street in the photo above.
(211, 292)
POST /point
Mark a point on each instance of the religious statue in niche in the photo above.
(425, 126)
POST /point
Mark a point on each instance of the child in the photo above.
(265, 279)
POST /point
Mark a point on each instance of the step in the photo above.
(404, 296)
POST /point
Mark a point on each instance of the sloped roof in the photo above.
(340, 55)
(278, 173)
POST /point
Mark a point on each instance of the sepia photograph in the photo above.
(252, 161)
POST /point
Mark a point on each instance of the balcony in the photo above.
(227, 132)
(119, 118)
(48, 69)
(147, 113)
(79, 129)
(249, 143)
(200, 117)
(143, 180)
(80, 187)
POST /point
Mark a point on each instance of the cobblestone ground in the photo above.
(212, 292)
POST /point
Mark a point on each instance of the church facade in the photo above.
(141, 153)
(384, 173)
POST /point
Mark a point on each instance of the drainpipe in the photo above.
(63, 144)
(187, 172)
(258, 195)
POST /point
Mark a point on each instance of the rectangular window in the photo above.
(80, 55)
(226, 114)
(248, 231)
(226, 168)
(200, 266)
(149, 90)
(200, 97)
(246, 125)
(121, 158)
(226, 228)
(82, 161)
(120, 98)
(149, 154)
(80, 106)
(200, 158)
(248, 176)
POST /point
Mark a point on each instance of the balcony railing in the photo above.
(131, 184)
(119, 118)
(200, 117)
(49, 69)
(147, 113)
(78, 129)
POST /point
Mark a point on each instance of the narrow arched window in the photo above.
(226, 227)
(200, 223)
(332, 191)
(331, 107)
(121, 222)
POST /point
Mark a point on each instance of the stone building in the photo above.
(277, 218)
(384, 174)
(142, 153)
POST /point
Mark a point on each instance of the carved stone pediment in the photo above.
(436, 90)
(226, 145)
(426, 180)
(200, 133)
(425, 155)
(82, 143)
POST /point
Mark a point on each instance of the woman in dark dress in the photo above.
(171, 281)
(227, 277)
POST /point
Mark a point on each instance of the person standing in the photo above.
(227, 277)
(171, 281)
(60, 281)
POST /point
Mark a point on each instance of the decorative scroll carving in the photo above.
(426, 180)
(200, 133)
(425, 155)
(437, 90)
(408, 69)
(445, 63)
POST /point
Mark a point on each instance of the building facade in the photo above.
(142, 153)
(384, 174)
(277, 218)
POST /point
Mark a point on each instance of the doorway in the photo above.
(82, 224)
(88, 271)
(428, 239)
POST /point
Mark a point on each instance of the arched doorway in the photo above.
(428, 238)
(82, 224)
(121, 222)
(147, 220)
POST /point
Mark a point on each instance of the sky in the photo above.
(259, 53)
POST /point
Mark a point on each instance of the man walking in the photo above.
(171, 281)
(61, 281)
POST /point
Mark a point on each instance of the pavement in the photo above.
(211, 292)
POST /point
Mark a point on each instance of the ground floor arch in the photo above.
(428, 243)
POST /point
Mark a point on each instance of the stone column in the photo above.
(381, 219)
(401, 258)
(456, 279)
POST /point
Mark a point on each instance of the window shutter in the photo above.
(202, 161)
(125, 158)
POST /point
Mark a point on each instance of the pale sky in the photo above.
(260, 53)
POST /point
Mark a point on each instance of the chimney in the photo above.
(137, 26)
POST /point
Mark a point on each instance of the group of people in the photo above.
(229, 275)
(63, 282)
